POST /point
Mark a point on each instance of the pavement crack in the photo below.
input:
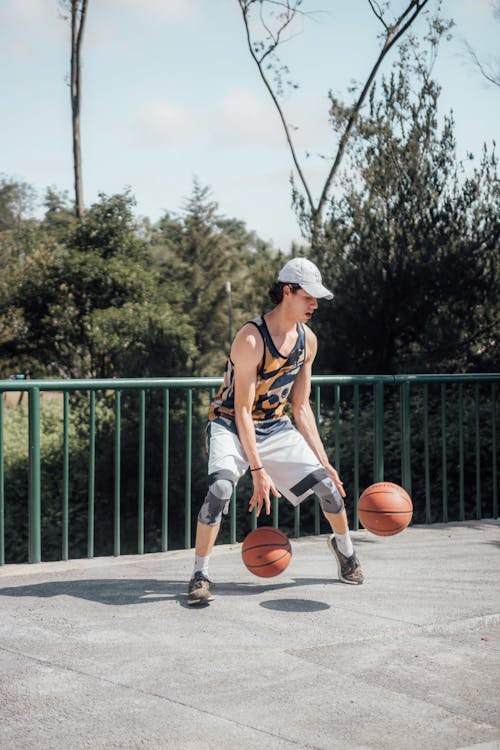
(159, 696)
(441, 628)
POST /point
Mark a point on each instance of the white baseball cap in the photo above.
(304, 273)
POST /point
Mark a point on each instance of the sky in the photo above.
(170, 94)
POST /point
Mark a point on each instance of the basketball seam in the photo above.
(386, 512)
(273, 546)
(265, 564)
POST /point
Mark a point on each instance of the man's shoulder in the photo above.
(309, 334)
(247, 342)
(311, 343)
(250, 329)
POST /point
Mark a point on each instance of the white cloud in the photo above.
(29, 26)
(309, 113)
(163, 124)
(240, 117)
(476, 6)
(29, 13)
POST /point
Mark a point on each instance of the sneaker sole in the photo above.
(203, 600)
(339, 567)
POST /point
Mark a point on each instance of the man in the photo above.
(271, 361)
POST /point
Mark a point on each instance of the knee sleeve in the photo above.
(330, 499)
(218, 497)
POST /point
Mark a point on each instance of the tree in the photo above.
(19, 236)
(59, 216)
(92, 308)
(78, 15)
(276, 18)
(16, 203)
(412, 246)
(198, 254)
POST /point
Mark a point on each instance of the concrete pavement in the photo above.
(106, 653)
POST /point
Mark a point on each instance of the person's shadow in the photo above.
(132, 591)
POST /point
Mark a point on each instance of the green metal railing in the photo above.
(433, 426)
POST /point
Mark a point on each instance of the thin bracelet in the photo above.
(257, 468)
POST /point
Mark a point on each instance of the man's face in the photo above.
(303, 305)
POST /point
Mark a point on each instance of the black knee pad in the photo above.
(330, 499)
(220, 491)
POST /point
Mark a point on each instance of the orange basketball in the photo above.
(266, 552)
(385, 508)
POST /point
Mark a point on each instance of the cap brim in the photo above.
(317, 290)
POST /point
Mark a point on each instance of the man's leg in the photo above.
(226, 464)
(205, 540)
(338, 522)
(340, 545)
(209, 519)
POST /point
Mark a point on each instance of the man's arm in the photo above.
(303, 415)
(246, 353)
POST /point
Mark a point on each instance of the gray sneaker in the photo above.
(199, 589)
(349, 567)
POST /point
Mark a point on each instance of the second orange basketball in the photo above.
(266, 551)
(385, 508)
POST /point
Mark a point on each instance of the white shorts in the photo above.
(285, 455)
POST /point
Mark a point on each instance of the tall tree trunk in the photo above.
(78, 15)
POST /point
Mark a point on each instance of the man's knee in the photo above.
(218, 497)
(330, 499)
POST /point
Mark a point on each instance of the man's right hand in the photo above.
(262, 486)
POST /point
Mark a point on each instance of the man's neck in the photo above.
(279, 323)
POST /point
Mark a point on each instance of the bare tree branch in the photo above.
(245, 6)
(378, 12)
(488, 72)
(393, 33)
(491, 75)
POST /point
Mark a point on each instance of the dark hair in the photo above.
(276, 291)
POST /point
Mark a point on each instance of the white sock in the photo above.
(201, 565)
(344, 543)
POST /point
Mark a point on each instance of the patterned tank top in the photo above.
(275, 377)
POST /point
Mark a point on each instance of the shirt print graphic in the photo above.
(275, 379)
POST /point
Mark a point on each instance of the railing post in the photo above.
(166, 448)
(405, 436)
(477, 415)
(65, 498)
(427, 474)
(253, 519)
(2, 489)
(232, 516)
(356, 457)
(337, 427)
(494, 448)
(296, 521)
(378, 458)
(34, 514)
(444, 459)
(142, 473)
(189, 440)
(461, 467)
(317, 411)
(91, 485)
(117, 502)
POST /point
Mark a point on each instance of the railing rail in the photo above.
(454, 405)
